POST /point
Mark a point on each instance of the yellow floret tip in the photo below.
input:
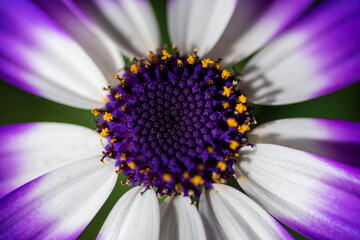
(232, 122)
(206, 62)
(179, 188)
(108, 117)
(134, 69)
(227, 91)
(197, 180)
(180, 63)
(147, 64)
(226, 105)
(186, 175)
(221, 166)
(234, 144)
(104, 132)
(210, 149)
(190, 59)
(167, 177)
(132, 165)
(95, 111)
(240, 108)
(123, 157)
(118, 96)
(243, 128)
(225, 74)
(242, 99)
(166, 56)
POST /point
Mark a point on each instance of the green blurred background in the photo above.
(20, 106)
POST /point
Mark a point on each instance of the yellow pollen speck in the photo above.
(132, 165)
(179, 188)
(237, 154)
(190, 59)
(221, 166)
(206, 62)
(123, 108)
(221, 180)
(166, 56)
(123, 157)
(147, 64)
(113, 140)
(215, 176)
(217, 65)
(242, 99)
(105, 99)
(210, 81)
(108, 117)
(225, 74)
(243, 128)
(162, 67)
(232, 122)
(180, 63)
(116, 76)
(240, 108)
(134, 68)
(201, 167)
(226, 105)
(234, 144)
(167, 177)
(110, 154)
(242, 178)
(216, 191)
(210, 149)
(145, 171)
(227, 91)
(186, 175)
(95, 111)
(118, 96)
(151, 54)
(197, 180)
(104, 132)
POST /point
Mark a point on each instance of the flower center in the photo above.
(175, 123)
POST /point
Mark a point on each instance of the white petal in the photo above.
(58, 205)
(180, 220)
(334, 139)
(130, 23)
(198, 24)
(298, 65)
(48, 51)
(33, 149)
(253, 24)
(135, 216)
(313, 195)
(229, 214)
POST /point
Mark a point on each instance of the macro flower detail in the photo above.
(170, 129)
(175, 129)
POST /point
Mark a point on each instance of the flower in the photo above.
(302, 171)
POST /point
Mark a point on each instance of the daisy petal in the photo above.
(299, 65)
(229, 214)
(253, 24)
(41, 53)
(57, 205)
(315, 196)
(198, 24)
(33, 149)
(334, 139)
(135, 216)
(130, 23)
(180, 219)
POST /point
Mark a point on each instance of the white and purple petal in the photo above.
(48, 51)
(318, 55)
(32, 149)
(129, 23)
(135, 216)
(334, 139)
(180, 220)
(229, 214)
(253, 24)
(316, 196)
(198, 24)
(57, 205)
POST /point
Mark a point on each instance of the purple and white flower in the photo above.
(302, 172)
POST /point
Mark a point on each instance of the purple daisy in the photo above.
(176, 123)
